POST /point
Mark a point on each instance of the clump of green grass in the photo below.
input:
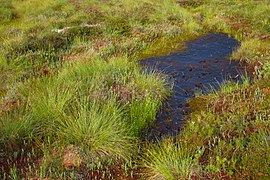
(252, 50)
(170, 160)
(99, 107)
(228, 86)
(98, 129)
(14, 132)
(142, 114)
(7, 11)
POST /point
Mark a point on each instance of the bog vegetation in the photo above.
(74, 102)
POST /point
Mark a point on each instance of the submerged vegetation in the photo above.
(74, 101)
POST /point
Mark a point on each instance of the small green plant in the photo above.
(142, 114)
(170, 160)
(264, 72)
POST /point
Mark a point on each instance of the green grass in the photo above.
(7, 11)
(228, 125)
(100, 131)
(228, 129)
(70, 82)
(99, 107)
(170, 160)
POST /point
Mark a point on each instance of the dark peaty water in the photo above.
(204, 64)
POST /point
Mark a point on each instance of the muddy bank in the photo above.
(203, 65)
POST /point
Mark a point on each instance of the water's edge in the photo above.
(204, 63)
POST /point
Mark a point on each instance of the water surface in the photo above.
(203, 64)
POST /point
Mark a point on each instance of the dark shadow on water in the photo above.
(204, 64)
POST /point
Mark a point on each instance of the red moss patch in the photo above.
(71, 157)
(8, 105)
(266, 91)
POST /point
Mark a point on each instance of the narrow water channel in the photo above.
(203, 64)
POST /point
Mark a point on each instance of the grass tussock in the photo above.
(98, 107)
(169, 160)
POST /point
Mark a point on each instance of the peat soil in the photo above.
(202, 66)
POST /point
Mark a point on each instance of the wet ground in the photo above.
(203, 64)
